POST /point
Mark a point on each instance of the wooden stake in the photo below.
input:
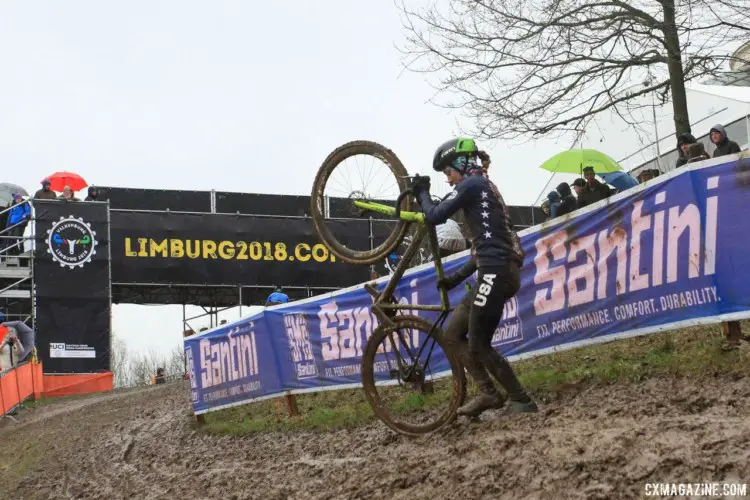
(291, 405)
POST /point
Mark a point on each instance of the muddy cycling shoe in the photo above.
(523, 405)
(482, 402)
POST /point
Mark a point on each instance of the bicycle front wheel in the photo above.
(359, 170)
(414, 385)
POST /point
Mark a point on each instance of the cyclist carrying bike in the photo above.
(496, 255)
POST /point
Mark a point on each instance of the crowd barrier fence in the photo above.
(669, 253)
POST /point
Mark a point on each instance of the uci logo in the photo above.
(57, 347)
(71, 242)
(484, 289)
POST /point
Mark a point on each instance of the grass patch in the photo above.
(692, 352)
(51, 401)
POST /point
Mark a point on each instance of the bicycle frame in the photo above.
(384, 305)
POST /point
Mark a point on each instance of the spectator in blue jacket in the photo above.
(277, 297)
(18, 218)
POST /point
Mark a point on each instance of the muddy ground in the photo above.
(596, 443)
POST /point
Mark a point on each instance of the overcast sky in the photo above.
(231, 95)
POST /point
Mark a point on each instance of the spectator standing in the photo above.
(545, 208)
(93, 195)
(645, 176)
(553, 204)
(11, 348)
(578, 186)
(697, 152)
(594, 191)
(683, 148)
(277, 297)
(45, 193)
(723, 145)
(18, 218)
(68, 195)
(568, 203)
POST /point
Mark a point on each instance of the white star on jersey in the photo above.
(485, 224)
(485, 214)
(484, 195)
(487, 235)
(485, 204)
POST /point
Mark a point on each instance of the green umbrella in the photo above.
(574, 160)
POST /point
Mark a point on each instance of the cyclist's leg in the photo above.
(489, 397)
(455, 332)
(495, 288)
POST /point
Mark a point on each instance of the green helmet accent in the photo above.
(466, 145)
(449, 151)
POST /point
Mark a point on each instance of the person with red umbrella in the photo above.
(59, 180)
(67, 194)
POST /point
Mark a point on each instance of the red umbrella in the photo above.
(59, 180)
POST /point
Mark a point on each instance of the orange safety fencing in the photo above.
(27, 381)
(76, 383)
(19, 384)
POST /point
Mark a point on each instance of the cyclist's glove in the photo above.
(421, 183)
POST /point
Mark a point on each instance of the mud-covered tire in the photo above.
(317, 202)
(458, 381)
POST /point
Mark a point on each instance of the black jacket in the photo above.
(596, 191)
(93, 195)
(568, 203)
(485, 216)
(724, 146)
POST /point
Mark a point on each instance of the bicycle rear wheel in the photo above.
(432, 396)
(334, 187)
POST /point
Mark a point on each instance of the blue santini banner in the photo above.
(662, 255)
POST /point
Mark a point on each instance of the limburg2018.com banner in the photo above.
(221, 249)
(662, 255)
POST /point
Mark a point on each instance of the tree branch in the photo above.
(536, 67)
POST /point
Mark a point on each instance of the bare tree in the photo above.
(119, 361)
(137, 369)
(536, 67)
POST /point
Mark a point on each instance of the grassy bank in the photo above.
(693, 352)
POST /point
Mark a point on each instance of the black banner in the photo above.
(256, 204)
(72, 287)
(155, 199)
(262, 204)
(220, 249)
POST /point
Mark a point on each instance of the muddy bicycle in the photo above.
(397, 356)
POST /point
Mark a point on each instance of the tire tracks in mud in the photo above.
(604, 442)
